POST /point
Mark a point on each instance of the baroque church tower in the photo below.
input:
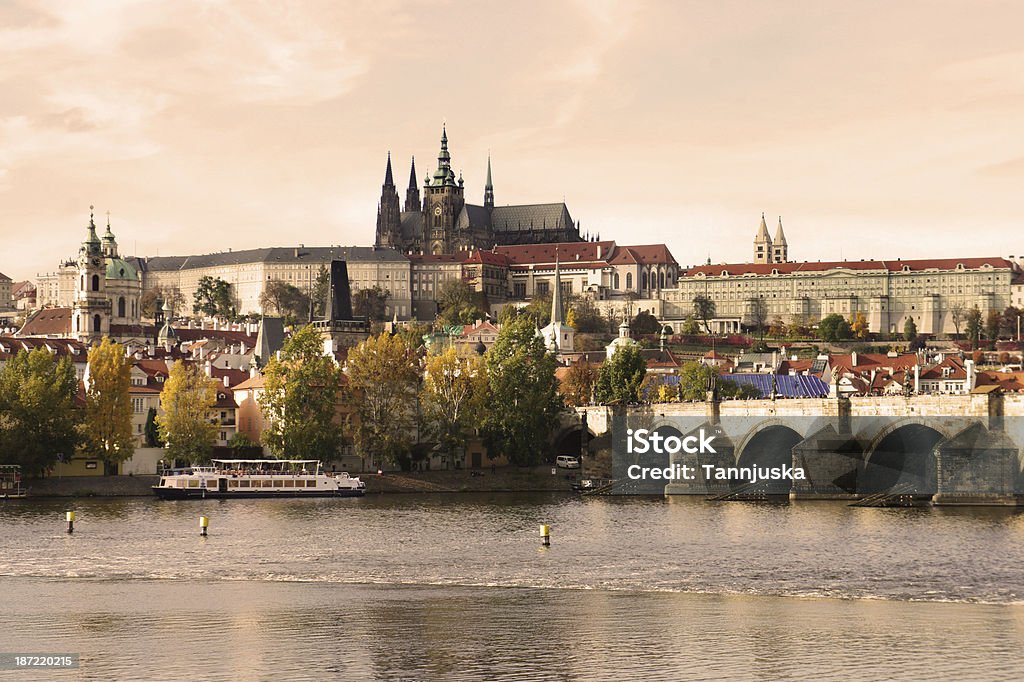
(90, 320)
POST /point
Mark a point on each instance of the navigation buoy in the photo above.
(71, 521)
(545, 535)
(204, 523)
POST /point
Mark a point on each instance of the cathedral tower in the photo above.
(389, 216)
(412, 194)
(780, 249)
(489, 187)
(762, 244)
(90, 320)
(442, 203)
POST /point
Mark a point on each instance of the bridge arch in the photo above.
(902, 456)
(768, 446)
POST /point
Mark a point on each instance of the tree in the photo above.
(539, 309)
(956, 313)
(456, 303)
(909, 329)
(213, 298)
(777, 328)
(38, 417)
(371, 303)
(108, 407)
(412, 334)
(152, 431)
(454, 390)
(586, 318)
(286, 300)
(973, 325)
(578, 385)
(859, 326)
(300, 399)
(834, 328)
(757, 315)
(320, 290)
(645, 323)
(384, 377)
(523, 399)
(690, 326)
(704, 310)
(185, 426)
(1009, 323)
(695, 379)
(153, 299)
(620, 377)
(992, 322)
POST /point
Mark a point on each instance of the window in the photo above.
(137, 405)
(95, 282)
(120, 306)
(629, 280)
(96, 323)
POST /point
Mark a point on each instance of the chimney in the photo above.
(227, 384)
(853, 359)
(252, 371)
(242, 348)
(971, 378)
(917, 378)
(599, 251)
(208, 368)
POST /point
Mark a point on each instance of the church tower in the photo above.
(780, 249)
(489, 188)
(762, 244)
(442, 203)
(389, 216)
(90, 319)
(412, 194)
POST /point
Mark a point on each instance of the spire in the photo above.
(489, 187)
(109, 243)
(412, 194)
(557, 312)
(91, 245)
(444, 175)
(762, 230)
(780, 237)
(412, 175)
(388, 178)
(763, 244)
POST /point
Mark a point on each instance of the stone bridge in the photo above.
(955, 449)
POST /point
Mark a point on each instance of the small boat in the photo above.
(10, 482)
(274, 478)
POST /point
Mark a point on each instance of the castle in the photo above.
(441, 222)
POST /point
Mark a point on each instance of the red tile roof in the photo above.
(48, 322)
(567, 252)
(734, 269)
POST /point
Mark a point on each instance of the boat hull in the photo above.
(205, 494)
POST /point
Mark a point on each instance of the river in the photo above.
(458, 587)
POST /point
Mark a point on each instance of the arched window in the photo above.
(629, 280)
(83, 283)
(95, 282)
(96, 323)
(615, 285)
(120, 306)
(661, 280)
(643, 280)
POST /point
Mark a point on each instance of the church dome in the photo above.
(118, 268)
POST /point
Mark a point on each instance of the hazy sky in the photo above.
(876, 129)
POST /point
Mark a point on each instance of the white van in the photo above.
(567, 462)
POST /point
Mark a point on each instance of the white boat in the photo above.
(10, 481)
(229, 478)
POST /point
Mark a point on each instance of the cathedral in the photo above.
(441, 222)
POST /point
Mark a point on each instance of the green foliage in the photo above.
(972, 325)
(384, 377)
(690, 326)
(38, 418)
(286, 300)
(187, 399)
(456, 303)
(371, 303)
(909, 329)
(321, 290)
(539, 309)
(300, 400)
(151, 431)
(704, 310)
(242, 442)
(992, 322)
(695, 378)
(834, 328)
(619, 378)
(578, 385)
(412, 334)
(453, 395)
(586, 318)
(523, 402)
(645, 323)
(107, 429)
(213, 298)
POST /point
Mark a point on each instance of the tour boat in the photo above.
(10, 481)
(229, 478)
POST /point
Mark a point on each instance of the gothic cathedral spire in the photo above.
(389, 217)
(489, 187)
(412, 194)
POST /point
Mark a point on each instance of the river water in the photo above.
(458, 587)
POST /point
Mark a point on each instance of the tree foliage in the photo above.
(38, 417)
(151, 432)
(384, 377)
(992, 323)
(620, 377)
(453, 395)
(586, 318)
(284, 299)
(320, 291)
(371, 303)
(213, 298)
(645, 323)
(154, 298)
(185, 426)
(300, 400)
(859, 326)
(578, 385)
(456, 303)
(523, 401)
(107, 429)
(972, 325)
(695, 379)
(757, 315)
(704, 310)
(834, 327)
(909, 329)
(957, 314)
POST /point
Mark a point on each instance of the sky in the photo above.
(875, 129)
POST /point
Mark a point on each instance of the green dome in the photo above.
(121, 269)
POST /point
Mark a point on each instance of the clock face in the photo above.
(95, 261)
(437, 211)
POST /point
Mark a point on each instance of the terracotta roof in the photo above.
(648, 254)
(486, 257)
(733, 269)
(567, 252)
(870, 361)
(11, 346)
(235, 376)
(225, 399)
(257, 381)
(1007, 381)
(48, 322)
(787, 366)
(143, 389)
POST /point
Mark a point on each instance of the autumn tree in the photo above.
(695, 378)
(1009, 322)
(454, 390)
(578, 385)
(972, 325)
(909, 329)
(956, 314)
(834, 327)
(320, 290)
(992, 323)
(539, 309)
(757, 315)
(704, 310)
(38, 417)
(286, 300)
(107, 429)
(185, 426)
(620, 377)
(384, 376)
(586, 317)
(523, 400)
(457, 303)
(859, 326)
(300, 399)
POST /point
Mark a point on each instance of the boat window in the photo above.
(289, 483)
(232, 483)
(163, 481)
(267, 483)
(310, 484)
(243, 484)
(193, 483)
(277, 483)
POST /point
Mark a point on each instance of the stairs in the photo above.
(898, 496)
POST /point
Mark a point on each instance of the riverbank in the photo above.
(507, 479)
